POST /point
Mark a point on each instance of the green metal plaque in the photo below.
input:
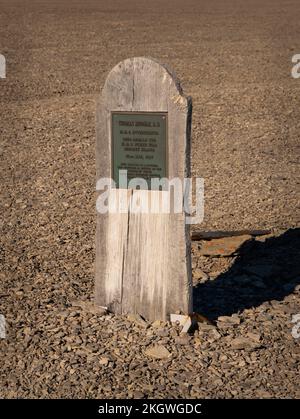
(139, 146)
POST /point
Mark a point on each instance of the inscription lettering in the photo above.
(139, 145)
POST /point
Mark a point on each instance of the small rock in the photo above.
(218, 382)
(203, 327)
(104, 361)
(90, 307)
(157, 323)
(138, 320)
(197, 342)
(254, 336)
(158, 352)
(183, 339)
(244, 343)
(262, 393)
(214, 335)
(199, 274)
(229, 319)
(162, 333)
(27, 331)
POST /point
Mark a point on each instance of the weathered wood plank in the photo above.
(143, 260)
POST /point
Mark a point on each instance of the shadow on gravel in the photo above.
(263, 271)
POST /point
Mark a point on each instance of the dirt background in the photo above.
(233, 58)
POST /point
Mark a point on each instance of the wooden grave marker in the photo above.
(143, 124)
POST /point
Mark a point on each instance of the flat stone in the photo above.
(229, 319)
(244, 343)
(225, 246)
(139, 395)
(254, 336)
(90, 307)
(158, 352)
(206, 327)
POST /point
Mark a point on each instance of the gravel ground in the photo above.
(235, 62)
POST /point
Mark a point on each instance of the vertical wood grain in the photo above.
(143, 261)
